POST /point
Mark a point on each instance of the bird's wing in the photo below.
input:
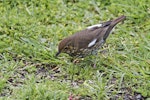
(88, 38)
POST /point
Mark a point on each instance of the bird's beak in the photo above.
(57, 54)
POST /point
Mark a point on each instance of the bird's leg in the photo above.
(72, 77)
(74, 60)
(95, 60)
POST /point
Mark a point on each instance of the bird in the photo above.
(89, 40)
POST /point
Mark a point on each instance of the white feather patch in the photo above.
(112, 30)
(92, 43)
(97, 25)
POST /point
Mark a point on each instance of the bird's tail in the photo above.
(112, 24)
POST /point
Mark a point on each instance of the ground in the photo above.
(30, 32)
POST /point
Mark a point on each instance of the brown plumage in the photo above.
(89, 40)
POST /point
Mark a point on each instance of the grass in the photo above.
(29, 35)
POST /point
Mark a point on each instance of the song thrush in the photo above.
(89, 40)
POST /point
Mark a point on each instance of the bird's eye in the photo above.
(66, 48)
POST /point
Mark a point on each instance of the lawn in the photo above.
(30, 31)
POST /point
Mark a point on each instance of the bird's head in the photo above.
(63, 46)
